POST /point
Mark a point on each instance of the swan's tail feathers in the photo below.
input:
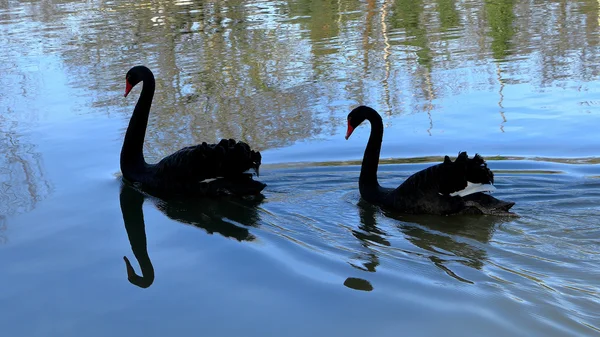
(238, 158)
(477, 169)
(474, 188)
(256, 161)
(209, 169)
(255, 169)
(464, 176)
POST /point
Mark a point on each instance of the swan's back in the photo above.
(449, 177)
(433, 190)
(208, 169)
(226, 159)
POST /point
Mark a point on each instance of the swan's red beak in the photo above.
(349, 131)
(128, 88)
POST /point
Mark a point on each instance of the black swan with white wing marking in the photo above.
(452, 187)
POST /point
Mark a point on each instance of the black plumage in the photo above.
(438, 189)
(200, 170)
(449, 177)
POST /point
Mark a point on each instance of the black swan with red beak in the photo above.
(451, 187)
(202, 170)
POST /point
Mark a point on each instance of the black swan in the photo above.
(447, 188)
(202, 170)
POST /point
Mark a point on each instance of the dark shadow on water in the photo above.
(358, 284)
(224, 216)
(446, 237)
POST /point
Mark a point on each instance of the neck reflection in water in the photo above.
(214, 216)
(444, 238)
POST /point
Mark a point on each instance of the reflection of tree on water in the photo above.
(226, 217)
(3, 238)
(435, 234)
(500, 19)
(501, 97)
(214, 57)
(22, 180)
(406, 15)
(449, 16)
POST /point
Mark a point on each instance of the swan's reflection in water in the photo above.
(369, 232)
(226, 217)
(133, 217)
(445, 238)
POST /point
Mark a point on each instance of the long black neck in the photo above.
(133, 216)
(368, 171)
(132, 154)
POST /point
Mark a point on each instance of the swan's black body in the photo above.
(201, 170)
(430, 191)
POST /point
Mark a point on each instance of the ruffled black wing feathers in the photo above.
(429, 190)
(476, 168)
(449, 176)
(227, 159)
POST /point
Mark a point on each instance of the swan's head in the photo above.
(134, 76)
(357, 116)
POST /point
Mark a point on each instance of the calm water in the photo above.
(516, 81)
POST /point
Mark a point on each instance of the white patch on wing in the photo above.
(474, 188)
(210, 179)
(251, 170)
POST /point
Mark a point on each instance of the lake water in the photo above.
(516, 81)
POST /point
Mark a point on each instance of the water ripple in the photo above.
(543, 256)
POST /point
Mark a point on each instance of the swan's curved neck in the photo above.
(132, 155)
(368, 172)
